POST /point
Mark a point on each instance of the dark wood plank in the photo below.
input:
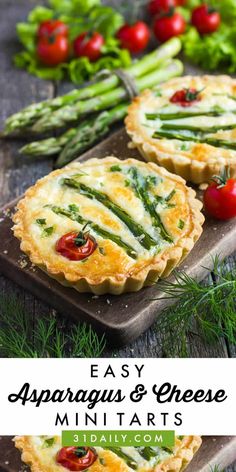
(125, 317)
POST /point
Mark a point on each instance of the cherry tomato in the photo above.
(89, 46)
(157, 6)
(185, 97)
(169, 25)
(206, 19)
(134, 37)
(53, 50)
(220, 198)
(76, 246)
(52, 27)
(180, 3)
(76, 458)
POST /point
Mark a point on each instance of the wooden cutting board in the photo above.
(218, 450)
(123, 318)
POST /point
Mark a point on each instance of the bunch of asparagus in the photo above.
(92, 106)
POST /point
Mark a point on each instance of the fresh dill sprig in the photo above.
(216, 468)
(210, 308)
(18, 338)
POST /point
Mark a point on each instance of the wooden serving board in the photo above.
(123, 318)
(218, 450)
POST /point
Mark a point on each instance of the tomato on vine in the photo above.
(53, 50)
(134, 37)
(168, 25)
(220, 197)
(76, 458)
(55, 27)
(89, 45)
(158, 6)
(206, 19)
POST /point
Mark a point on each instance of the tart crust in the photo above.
(125, 275)
(202, 161)
(184, 451)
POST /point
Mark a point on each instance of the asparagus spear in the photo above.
(141, 187)
(70, 113)
(128, 459)
(187, 114)
(222, 143)
(26, 117)
(49, 146)
(74, 216)
(135, 228)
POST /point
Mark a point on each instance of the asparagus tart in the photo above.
(45, 454)
(188, 125)
(108, 226)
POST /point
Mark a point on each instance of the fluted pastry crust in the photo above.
(195, 162)
(109, 269)
(41, 461)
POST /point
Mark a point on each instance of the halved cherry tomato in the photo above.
(76, 246)
(89, 46)
(169, 25)
(134, 37)
(206, 19)
(185, 97)
(76, 458)
(56, 27)
(157, 6)
(220, 198)
(53, 50)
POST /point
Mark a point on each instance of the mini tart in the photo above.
(153, 216)
(194, 160)
(42, 458)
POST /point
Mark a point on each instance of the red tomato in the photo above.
(89, 46)
(53, 50)
(169, 25)
(205, 19)
(220, 198)
(185, 97)
(180, 3)
(158, 6)
(76, 458)
(134, 37)
(52, 27)
(76, 246)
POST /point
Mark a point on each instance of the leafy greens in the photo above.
(80, 16)
(216, 50)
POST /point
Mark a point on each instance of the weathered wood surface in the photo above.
(17, 89)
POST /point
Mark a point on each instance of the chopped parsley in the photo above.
(102, 251)
(151, 180)
(157, 93)
(48, 442)
(127, 183)
(170, 196)
(41, 221)
(80, 452)
(47, 231)
(181, 224)
(184, 147)
(115, 168)
(102, 461)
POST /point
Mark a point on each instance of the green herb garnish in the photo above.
(102, 250)
(115, 168)
(209, 307)
(48, 442)
(41, 221)
(73, 207)
(47, 231)
(80, 452)
(181, 224)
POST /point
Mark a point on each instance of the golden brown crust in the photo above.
(125, 277)
(197, 165)
(183, 453)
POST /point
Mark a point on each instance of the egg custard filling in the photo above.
(108, 226)
(188, 125)
(45, 454)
